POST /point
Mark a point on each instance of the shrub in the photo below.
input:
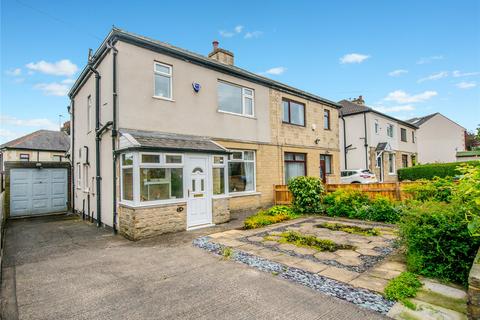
(402, 287)
(310, 241)
(345, 203)
(438, 243)
(467, 195)
(381, 209)
(266, 217)
(439, 189)
(429, 171)
(307, 194)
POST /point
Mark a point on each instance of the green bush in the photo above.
(355, 204)
(439, 189)
(345, 203)
(307, 194)
(438, 243)
(402, 287)
(266, 217)
(429, 171)
(467, 195)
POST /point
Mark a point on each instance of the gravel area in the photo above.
(360, 297)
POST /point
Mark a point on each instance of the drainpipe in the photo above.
(344, 142)
(98, 177)
(366, 140)
(72, 155)
(114, 133)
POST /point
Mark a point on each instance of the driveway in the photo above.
(60, 267)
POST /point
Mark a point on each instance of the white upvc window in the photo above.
(79, 176)
(126, 165)
(377, 126)
(162, 81)
(219, 176)
(85, 178)
(90, 115)
(235, 99)
(390, 130)
(241, 171)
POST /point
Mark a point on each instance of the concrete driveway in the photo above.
(60, 267)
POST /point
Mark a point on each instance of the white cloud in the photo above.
(397, 73)
(226, 34)
(429, 59)
(354, 58)
(60, 68)
(253, 34)
(53, 88)
(407, 107)
(68, 81)
(238, 29)
(458, 74)
(401, 96)
(466, 85)
(435, 76)
(37, 123)
(7, 135)
(275, 71)
(14, 72)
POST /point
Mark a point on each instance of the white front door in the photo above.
(199, 211)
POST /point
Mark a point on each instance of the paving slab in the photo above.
(339, 274)
(370, 283)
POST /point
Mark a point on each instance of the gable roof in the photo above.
(192, 57)
(46, 140)
(418, 121)
(351, 108)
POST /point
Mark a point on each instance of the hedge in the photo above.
(429, 171)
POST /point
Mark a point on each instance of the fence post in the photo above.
(398, 191)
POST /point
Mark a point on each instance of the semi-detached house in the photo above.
(375, 141)
(165, 140)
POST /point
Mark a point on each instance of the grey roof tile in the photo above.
(40, 140)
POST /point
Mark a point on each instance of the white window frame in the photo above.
(244, 97)
(79, 175)
(130, 166)
(390, 130)
(168, 75)
(243, 160)
(225, 175)
(392, 173)
(376, 127)
(86, 187)
(89, 114)
(378, 155)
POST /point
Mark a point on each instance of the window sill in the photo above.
(294, 124)
(244, 194)
(221, 196)
(152, 204)
(163, 98)
(237, 114)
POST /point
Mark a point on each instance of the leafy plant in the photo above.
(381, 209)
(308, 241)
(350, 229)
(345, 203)
(437, 240)
(266, 217)
(404, 286)
(227, 252)
(467, 195)
(429, 171)
(307, 194)
(439, 189)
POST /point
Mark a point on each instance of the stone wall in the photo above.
(474, 289)
(220, 210)
(140, 223)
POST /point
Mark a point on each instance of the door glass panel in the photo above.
(193, 185)
(202, 185)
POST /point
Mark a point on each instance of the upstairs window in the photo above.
(326, 119)
(89, 114)
(390, 130)
(413, 136)
(377, 126)
(235, 99)
(403, 134)
(163, 80)
(293, 112)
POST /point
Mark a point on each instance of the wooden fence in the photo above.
(392, 190)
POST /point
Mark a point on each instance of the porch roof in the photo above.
(154, 140)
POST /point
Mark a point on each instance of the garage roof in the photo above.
(46, 140)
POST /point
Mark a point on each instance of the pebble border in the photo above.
(360, 297)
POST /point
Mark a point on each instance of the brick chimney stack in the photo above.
(359, 100)
(221, 55)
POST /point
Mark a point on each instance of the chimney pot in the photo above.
(215, 44)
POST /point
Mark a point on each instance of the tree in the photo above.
(472, 139)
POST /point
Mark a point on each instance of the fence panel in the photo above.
(391, 190)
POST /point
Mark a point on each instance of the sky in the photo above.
(407, 58)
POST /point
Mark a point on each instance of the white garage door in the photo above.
(37, 191)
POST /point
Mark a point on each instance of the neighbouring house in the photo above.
(36, 171)
(372, 140)
(164, 139)
(41, 145)
(468, 155)
(439, 138)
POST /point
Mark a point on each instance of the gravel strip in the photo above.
(361, 297)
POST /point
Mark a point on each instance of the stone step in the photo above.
(424, 311)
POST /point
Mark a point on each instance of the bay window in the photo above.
(241, 171)
(218, 175)
(235, 99)
(127, 176)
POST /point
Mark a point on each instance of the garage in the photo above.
(36, 191)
